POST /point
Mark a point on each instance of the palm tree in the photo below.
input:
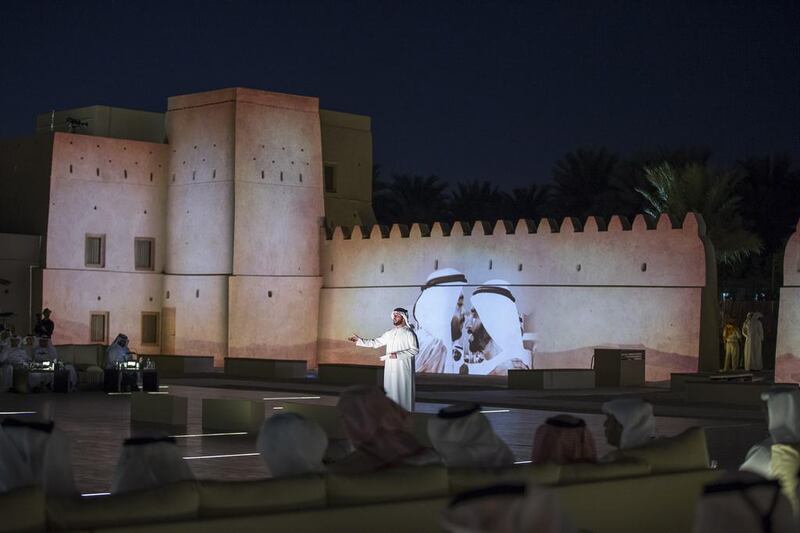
(770, 188)
(476, 201)
(695, 188)
(581, 178)
(531, 202)
(629, 176)
(408, 199)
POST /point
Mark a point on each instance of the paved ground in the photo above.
(97, 423)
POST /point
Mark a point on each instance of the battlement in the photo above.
(693, 224)
(663, 253)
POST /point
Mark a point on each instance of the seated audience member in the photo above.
(783, 414)
(563, 439)
(44, 350)
(778, 457)
(11, 356)
(35, 454)
(292, 445)
(507, 508)
(379, 431)
(744, 502)
(149, 462)
(118, 351)
(462, 436)
(629, 423)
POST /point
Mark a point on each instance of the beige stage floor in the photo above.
(97, 423)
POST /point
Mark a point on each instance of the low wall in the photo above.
(575, 287)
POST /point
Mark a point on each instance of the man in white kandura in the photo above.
(401, 347)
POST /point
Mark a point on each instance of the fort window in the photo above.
(281, 175)
(490, 264)
(125, 173)
(578, 267)
(70, 169)
(143, 248)
(149, 328)
(644, 267)
(98, 327)
(330, 178)
(151, 176)
(381, 268)
(167, 295)
(97, 171)
(95, 251)
(214, 174)
(262, 174)
(194, 174)
(519, 268)
(436, 265)
(269, 294)
(301, 177)
(197, 293)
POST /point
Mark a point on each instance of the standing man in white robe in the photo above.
(401, 347)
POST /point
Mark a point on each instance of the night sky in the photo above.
(465, 90)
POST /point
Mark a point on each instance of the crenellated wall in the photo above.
(577, 286)
(787, 350)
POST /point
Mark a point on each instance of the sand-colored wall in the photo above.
(74, 294)
(18, 253)
(347, 146)
(200, 132)
(274, 317)
(110, 187)
(201, 314)
(278, 207)
(635, 288)
(787, 349)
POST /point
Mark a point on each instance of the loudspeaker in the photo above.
(150, 380)
(61, 381)
(129, 381)
(111, 380)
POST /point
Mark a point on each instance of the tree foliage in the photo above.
(695, 188)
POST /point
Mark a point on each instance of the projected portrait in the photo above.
(482, 336)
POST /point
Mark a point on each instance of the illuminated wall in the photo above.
(575, 290)
(787, 353)
(273, 293)
(109, 187)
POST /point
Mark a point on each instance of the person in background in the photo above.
(147, 463)
(563, 439)
(11, 356)
(463, 436)
(292, 445)
(44, 350)
(753, 332)
(731, 337)
(48, 325)
(629, 423)
(118, 351)
(379, 431)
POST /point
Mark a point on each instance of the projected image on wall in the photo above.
(479, 333)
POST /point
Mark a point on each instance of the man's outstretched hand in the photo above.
(353, 338)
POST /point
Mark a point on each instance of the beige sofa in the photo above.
(630, 495)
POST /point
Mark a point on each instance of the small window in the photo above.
(95, 255)
(143, 253)
(149, 328)
(98, 327)
(330, 178)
